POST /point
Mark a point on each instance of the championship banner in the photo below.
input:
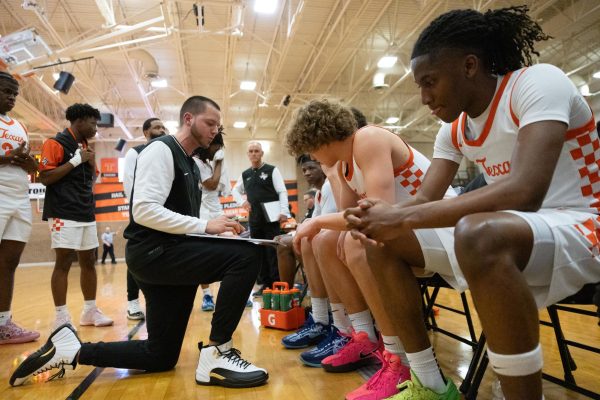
(109, 170)
(111, 203)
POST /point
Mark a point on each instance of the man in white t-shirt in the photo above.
(152, 128)
(526, 240)
(215, 180)
(15, 210)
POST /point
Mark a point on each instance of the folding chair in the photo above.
(436, 282)
(300, 270)
(583, 297)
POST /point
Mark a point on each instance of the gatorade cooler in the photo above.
(285, 320)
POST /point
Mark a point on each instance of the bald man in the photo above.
(262, 183)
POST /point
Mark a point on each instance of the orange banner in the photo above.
(111, 203)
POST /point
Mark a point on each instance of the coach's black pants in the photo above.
(133, 290)
(169, 284)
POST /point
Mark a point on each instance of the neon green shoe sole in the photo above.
(414, 390)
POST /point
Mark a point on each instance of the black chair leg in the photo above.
(472, 393)
(468, 381)
(465, 303)
(565, 355)
(430, 302)
(300, 268)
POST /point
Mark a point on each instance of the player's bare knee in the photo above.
(325, 240)
(476, 244)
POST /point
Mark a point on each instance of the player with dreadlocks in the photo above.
(529, 237)
(15, 210)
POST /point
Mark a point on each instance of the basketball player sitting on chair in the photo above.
(526, 240)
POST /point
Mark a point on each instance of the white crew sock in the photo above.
(393, 345)
(88, 305)
(62, 311)
(427, 369)
(320, 310)
(206, 291)
(363, 322)
(340, 318)
(4, 317)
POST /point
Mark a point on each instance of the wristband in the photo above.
(76, 159)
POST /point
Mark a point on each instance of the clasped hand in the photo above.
(20, 157)
(373, 221)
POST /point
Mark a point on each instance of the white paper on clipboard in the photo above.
(272, 210)
(251, 240)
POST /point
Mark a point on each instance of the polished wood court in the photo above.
(289, 379)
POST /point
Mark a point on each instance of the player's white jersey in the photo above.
(324, 201)
(524, 97)
(13, 180)
(407, 177)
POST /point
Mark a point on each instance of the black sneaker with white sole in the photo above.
(222, 365)
(60, 351)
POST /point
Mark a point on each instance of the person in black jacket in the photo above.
(68, 169)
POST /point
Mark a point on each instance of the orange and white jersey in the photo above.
(407, 177)
(524, 97)
(13, 180)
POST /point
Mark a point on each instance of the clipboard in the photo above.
(263, 242)
(272, 210)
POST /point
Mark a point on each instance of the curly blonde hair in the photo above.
(317, 124)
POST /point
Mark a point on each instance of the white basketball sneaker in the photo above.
(60, 351)
(94, 317)
(222, 365)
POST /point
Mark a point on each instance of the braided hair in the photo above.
(5, 76)
(504, 38)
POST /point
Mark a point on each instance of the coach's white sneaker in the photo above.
(222, 365)
(94, 317)
(60, 351)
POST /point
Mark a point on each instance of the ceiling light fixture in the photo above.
(585, 90)
(387, 61)
(265, 6)
(247, 85)
(239, 124)
(159, 83)
(379, 81)
(596, 75)
(392, 120)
